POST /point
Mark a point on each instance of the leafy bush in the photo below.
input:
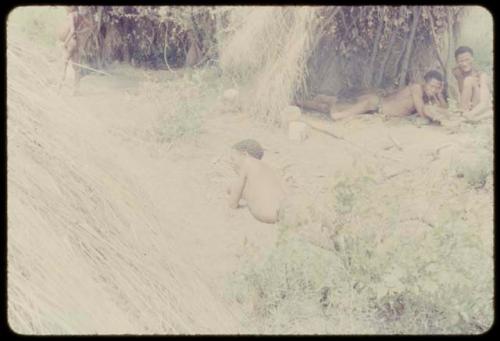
(381, 274)
(180, 102)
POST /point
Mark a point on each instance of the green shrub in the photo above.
(379, 276)
(181, 102)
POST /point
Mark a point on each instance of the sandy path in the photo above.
(172, 196)
(186, 182)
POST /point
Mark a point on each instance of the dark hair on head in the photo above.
(433, 74)
(250, 146)
(463, 49)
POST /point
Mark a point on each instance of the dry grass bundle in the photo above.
(86, 253)
(268, 51)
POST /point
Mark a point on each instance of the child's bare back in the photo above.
(257, 183)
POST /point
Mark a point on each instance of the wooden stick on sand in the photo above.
(89, 68)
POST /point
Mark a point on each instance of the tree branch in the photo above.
(406, 60)
(378, 36)
(450, 37)
(436, 52)
(389, 48)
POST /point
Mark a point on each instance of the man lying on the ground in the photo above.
(426, 99)
(475, 96)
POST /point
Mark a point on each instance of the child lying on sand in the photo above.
(256, 183)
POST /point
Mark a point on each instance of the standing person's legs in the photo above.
(77, 70)
(66, 58)
(78, 76)
(69, 51)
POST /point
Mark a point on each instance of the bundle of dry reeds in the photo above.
(86, 251)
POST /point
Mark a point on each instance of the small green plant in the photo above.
(379, 275)
(181, 102)
(184, 121)
(474, 169)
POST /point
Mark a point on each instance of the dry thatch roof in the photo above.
(278, 52)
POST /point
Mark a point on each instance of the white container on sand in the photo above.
(289, 113)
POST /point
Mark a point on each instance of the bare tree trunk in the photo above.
(438, 56)
(321, 27)
(97, 36)
(369, 74)
(409, 46)
(399, 62)
(389, 48)
(342, 16)
(450, 39)
(389, 52)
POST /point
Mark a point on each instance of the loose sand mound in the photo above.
(86, 251)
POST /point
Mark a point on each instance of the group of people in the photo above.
(257, 183)
(427, 99)
(263, 191)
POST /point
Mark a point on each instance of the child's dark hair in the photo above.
(250, 146)
(433, 74)
(463, 49)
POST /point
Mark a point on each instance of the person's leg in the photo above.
(78, 76)
(77, 70)
(467, 92)
(472, 93)
(475, 94)
(364, 104)
(483, 114)
(68, 52)
(314, 104)
(66, 59)
(331, 100)
(478, 113)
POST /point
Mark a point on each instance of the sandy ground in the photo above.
(137, 236)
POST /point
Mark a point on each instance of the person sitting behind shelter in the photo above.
(256, 182)
(69, 40)
(475, 96)
(421, 98)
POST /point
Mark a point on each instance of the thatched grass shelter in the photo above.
(277, 53)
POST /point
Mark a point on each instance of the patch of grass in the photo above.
(181, 101)
(474, 167)
(380, 274)
(183, 120)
